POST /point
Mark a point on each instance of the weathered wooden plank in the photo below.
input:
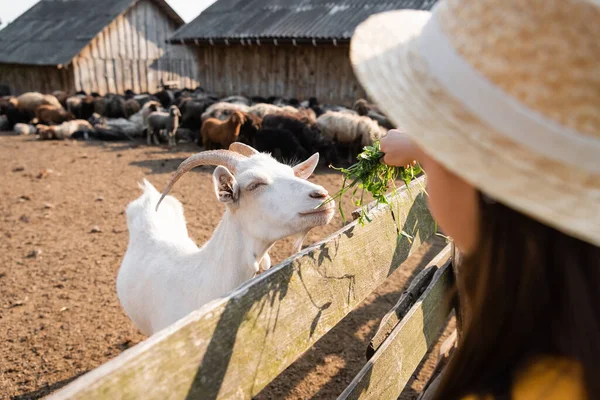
(141, 11)
(233, 347)
(303, 71)
(113, 37)
(76, 73)
(128, 35)
(407, 299)
(92, 77)
(120, 23)
(118, 77)
(386, 374)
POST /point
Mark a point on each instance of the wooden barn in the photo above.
(289, 48)
(98, 46)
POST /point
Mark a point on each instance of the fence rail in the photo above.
(235, 346)
(399, 350)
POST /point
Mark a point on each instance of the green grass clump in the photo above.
(371, 175)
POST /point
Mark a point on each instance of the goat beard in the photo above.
(298, 241)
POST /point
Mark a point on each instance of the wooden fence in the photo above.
(233, 347)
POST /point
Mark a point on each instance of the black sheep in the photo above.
(145, 98)
(115, 107)
(191, 111)
(86, 109)
(14, 116)
(258, 100)
(309, 138)
(303, 133)
(281, 143)
(165, 97)
(4, 90)
(314, 105)
(129, 94)
(249, 129)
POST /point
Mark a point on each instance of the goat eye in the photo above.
(254, 185)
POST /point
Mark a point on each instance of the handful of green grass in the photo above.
(371, 175)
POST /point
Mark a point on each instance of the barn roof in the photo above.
(287, 19)
(53, 32)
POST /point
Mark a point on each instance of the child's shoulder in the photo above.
(550, 379)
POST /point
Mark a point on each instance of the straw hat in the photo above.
(504, 93)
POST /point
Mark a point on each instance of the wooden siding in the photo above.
(132, 53)
(46, 79)
(267, 70)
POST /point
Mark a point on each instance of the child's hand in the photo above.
(399, 149)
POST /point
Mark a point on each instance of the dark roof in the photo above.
(287, 19)
(53, 32)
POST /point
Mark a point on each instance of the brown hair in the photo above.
(533, 291)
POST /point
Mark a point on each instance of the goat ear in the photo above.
(226, 187)
(305, 170)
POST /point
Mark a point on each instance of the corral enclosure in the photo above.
(104, 46)
(59, 308)
(63, 202)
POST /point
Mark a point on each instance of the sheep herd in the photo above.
(287, 128)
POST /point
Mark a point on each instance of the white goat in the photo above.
(164, 276)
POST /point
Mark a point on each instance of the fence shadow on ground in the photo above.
(345, 341)
(241, 311)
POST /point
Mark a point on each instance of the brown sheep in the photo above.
(51, 115)
(27, 103)
(99, 105)
(131, 107)
(223, 133)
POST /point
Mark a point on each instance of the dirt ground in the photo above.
(63, 234)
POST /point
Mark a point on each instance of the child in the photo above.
(500, 103)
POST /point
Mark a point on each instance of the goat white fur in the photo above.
(164, 276)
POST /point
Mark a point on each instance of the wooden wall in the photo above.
(299, 71)
(132, 53)
(25, 78)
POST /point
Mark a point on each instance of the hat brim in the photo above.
(385, 56)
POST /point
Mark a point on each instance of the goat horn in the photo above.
(226, 158)
(243, 149)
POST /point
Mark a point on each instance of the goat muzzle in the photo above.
(225, 158)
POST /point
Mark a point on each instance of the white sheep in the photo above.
(168, 121)
(64, 130)
(262, 109)
(24, 129)
(146, 110)
(223, 110)
(349, 129)
(164, 275)
(30, 101)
